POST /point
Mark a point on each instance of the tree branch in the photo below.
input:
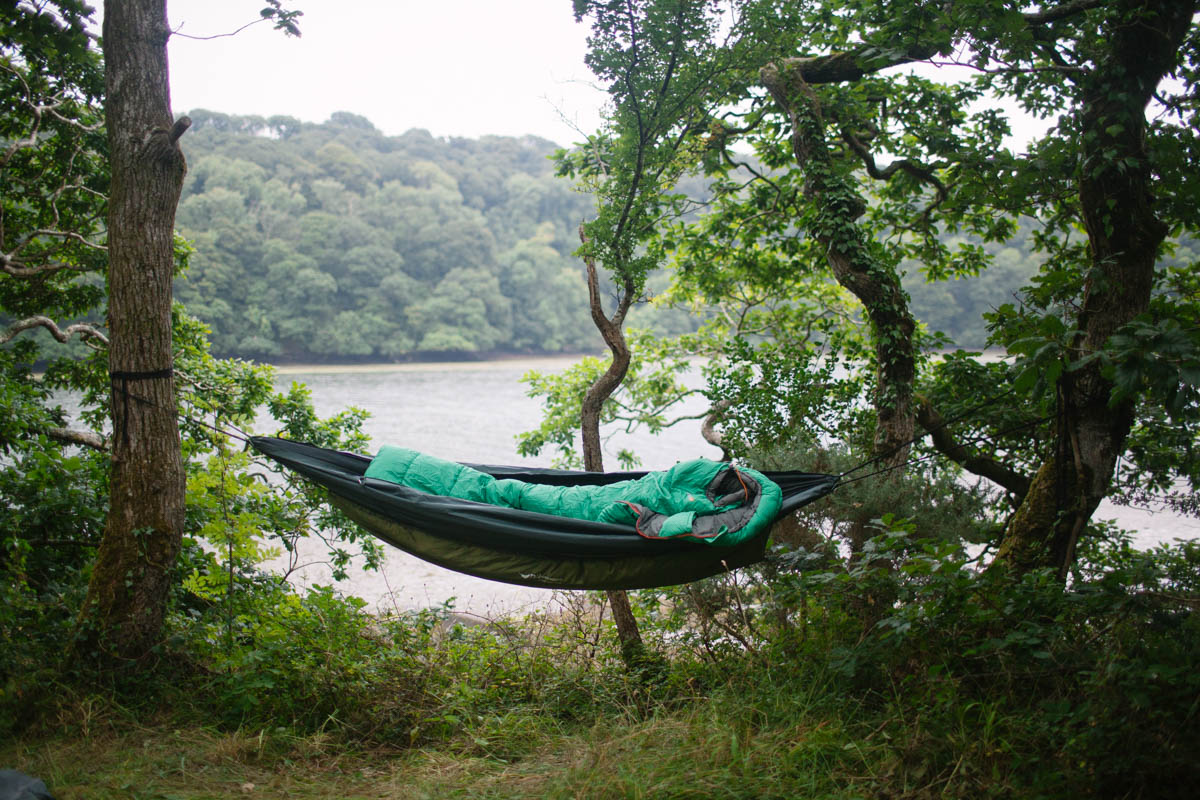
(1068, 9)
(851, 65)
(177, 32)
(87, 439)
(922, 173)
(945, 443)
(181, 125)
(61, 334)
(15, 267)
(11, 262)
(708, 427)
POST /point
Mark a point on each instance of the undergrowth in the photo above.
(769, 684)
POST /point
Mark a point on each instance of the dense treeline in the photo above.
(334, 241)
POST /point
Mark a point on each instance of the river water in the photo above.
(472, 411)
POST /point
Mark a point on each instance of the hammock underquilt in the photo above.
(523, 547)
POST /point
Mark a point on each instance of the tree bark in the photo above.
(1124, 236)
(628, 634)
(875, 284)
(854, 266)
(126, 601)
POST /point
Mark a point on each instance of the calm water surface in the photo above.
(473, 412)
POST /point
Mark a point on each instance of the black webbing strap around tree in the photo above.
(125, 376)
(143, 375)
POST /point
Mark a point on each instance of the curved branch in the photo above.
(15, 267)
(61, 334)
(922, 173)
(607, 383)
(945, 443)
(708, 427)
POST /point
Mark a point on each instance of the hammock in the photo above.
(524, 547)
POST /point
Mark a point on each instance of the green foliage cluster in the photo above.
(334, 241)
(54, 494)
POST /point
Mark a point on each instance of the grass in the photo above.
(162, 762)
(707, 750)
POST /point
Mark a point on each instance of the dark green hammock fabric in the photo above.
(524, 547)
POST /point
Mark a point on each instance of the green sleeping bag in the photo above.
(708, 501)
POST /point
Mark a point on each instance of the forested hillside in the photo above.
(334, 241)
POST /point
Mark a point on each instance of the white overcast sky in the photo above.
(453, 67)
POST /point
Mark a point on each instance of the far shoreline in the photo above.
(533, 362)
(499, 361)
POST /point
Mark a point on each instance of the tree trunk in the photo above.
(632, 648)
(127, 596)
(1124, 236)
(876, 285)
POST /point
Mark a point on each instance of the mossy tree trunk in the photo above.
(854, 265)
(124, 610)
(1124, 237)
(857, 268)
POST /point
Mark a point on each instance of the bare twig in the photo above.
(176, 32)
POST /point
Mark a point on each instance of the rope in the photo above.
(945, 424)
(125, 376)
(976, 440)
(241, 435)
